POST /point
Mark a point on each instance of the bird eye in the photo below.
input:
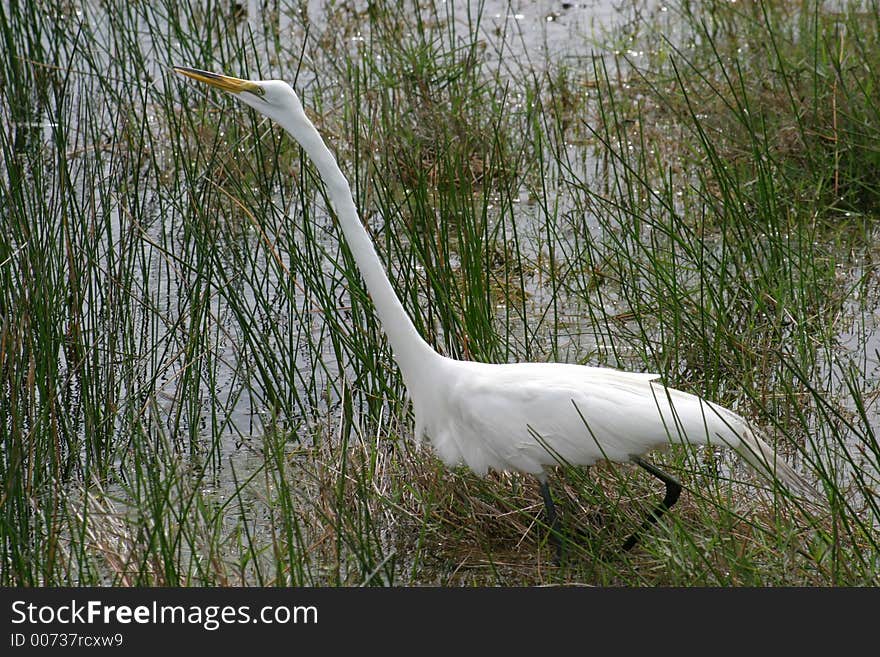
(257, 91)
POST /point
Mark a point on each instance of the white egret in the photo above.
(518, 416)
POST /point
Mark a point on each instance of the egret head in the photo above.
(273, 98)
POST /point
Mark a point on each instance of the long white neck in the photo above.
(411, 352)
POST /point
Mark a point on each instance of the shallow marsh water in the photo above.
(198, 282)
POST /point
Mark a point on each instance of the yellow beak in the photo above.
(224, 82)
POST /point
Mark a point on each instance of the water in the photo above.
(519, 38)
(226, 417)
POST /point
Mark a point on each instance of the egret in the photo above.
(522, 417)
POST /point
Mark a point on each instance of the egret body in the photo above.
(520, 417)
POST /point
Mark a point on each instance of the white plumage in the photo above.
(527, 416)
(514, 417)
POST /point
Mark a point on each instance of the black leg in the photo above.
(673, 490)
(552, 520)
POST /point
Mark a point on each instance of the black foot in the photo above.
(673, 490)
(552, 521)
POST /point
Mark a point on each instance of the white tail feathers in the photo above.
(765, 461)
